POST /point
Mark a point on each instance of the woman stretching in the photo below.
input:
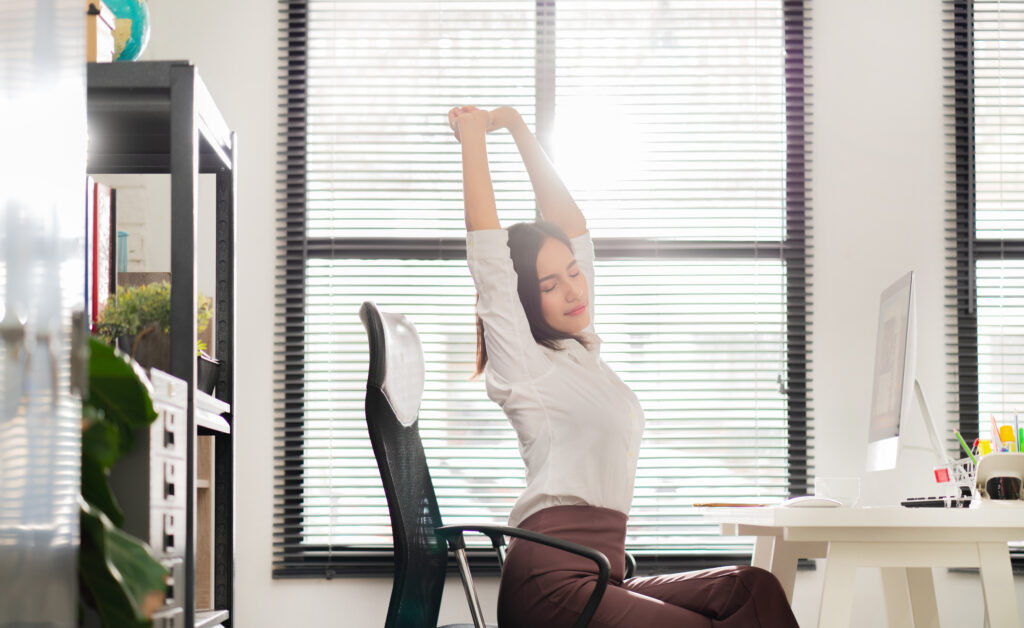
(578, 424)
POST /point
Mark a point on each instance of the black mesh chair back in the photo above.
(394, 388)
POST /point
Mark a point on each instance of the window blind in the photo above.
(679, 128)
(986, 210)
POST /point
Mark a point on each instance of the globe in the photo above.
(131, 34)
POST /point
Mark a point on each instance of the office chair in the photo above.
(394, 388)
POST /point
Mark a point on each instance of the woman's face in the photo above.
(563, 288)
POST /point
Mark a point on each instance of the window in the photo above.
(986, 219)
(679, 128)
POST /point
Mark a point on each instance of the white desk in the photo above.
(904, 542)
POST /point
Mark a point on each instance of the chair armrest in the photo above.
(453, 535)
(497, 540)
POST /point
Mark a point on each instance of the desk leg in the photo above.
(897, 600)
(922, 597)
(837, 590)
(762, 556)
(775, 554)
(783, 566)
(910, 597)
(997, 585)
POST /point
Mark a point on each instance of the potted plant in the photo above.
(120, 579)
(137, 319)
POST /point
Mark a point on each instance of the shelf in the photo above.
(208, 414)
(209, 619)
(157, 117)
(209, 403)
(129, 113)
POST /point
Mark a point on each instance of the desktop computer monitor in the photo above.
(895, 357)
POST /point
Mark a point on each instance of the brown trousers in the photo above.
(545, 587)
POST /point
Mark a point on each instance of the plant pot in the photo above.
(151, 348)
(207, 373)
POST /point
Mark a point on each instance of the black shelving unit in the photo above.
(159, 118)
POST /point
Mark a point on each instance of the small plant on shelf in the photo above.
(137, 319)
(138, 311)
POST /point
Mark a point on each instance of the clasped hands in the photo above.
(469, 119)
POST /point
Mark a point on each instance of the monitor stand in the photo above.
(959, 475)
(929, 425)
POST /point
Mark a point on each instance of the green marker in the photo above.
(964, 445)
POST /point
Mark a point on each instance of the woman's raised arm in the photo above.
(553, 199)
(470, 126)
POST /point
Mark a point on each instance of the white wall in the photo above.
(878, 182)
(878, 186)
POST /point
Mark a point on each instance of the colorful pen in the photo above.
(964, 445)
(997, 441)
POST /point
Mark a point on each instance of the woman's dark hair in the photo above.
(525, 240)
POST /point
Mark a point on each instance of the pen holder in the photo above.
(962, 473)
(999, 476)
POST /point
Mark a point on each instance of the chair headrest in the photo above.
(396, 360)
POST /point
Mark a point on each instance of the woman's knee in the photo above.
(759, 580)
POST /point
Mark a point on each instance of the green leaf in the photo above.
(101, 442)
(115, 389)
(125, 583)
(125, 580)
(96, 490)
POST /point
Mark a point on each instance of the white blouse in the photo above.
(579, 425)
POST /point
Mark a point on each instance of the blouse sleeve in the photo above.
(512, 353)
(583, 248)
